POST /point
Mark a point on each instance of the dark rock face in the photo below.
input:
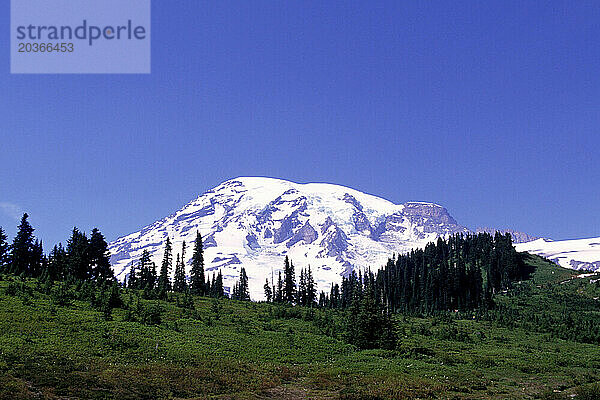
(208, 210)
(252, 241)
(378, 231)
(361, 222)
(334, 243)
(328, 222)
(431, 211)
(589, 266)
(518, 237)
(121, 255)
(433, 218)
(306, 233)
(296, 203)
(209, 241)
(229, 260)
(348, 198)
(286, 230)
(289, 223)
(392, 223)
(359, 219)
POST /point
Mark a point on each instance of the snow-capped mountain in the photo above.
(580, 254)
(255, 222)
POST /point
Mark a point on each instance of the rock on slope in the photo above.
(256, 222)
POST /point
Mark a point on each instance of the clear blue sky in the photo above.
(491, 109)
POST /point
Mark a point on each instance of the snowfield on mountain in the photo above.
(255, 222)
(579, 254)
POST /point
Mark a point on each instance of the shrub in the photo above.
(588, 392)
(62, 295)
(151, 314)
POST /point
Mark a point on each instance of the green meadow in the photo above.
(57, 347)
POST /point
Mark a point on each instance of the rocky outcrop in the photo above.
(306, 233)
(587, 266)
(252, 241)
(334, 242)
(433, 218)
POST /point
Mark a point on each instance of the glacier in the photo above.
(578, 254)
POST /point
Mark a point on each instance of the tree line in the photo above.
(461, 272)
(82, 259)
(143, 275)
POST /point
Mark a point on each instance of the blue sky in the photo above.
(491, 109)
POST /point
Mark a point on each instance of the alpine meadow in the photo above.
(299, 200)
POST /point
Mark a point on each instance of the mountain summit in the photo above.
(256, 222)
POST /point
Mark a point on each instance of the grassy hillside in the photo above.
(237, 350)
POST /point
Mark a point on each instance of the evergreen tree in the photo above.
(164, 279)
(301, 293)
(133, 279)
(211, 285)
(22, 248)
(179, 283)
(289, 281)
(3, 250)
(268, 291)
(240, 289)
(57, 263)
(311, 289)
(279, 291)
(99, 257)
(38, 260)
(218, 290)
(197, 283)
(78, 258)
(183, 246)
(146, 273)
(335, 297)
(114, 295)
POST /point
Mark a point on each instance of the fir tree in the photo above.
(311, 290)
(289, 284)
(99, 257)
(197, 283)
(38, 260)
(268, 291)
(217, 289)
(279, 291)
(179, 283)
(22, 248)
(301, 293)
(164, 280)
(78, 258)
(114, 297)
(57, 263)
(211, 285)
(183, 246)
(133, 279)
(240, 289)
(3, 250)
(146, 274)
